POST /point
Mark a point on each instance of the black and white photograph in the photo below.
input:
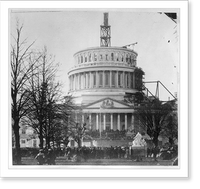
(94, 87)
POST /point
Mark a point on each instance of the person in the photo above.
(51, 157)
(40, 157)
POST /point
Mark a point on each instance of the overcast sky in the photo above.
(65, 32)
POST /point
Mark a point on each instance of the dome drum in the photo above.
(106, 54)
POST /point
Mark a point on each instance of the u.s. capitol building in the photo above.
(103, 81)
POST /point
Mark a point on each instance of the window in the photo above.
(112, 56)
(90, 57)
(100, 79)
(81, 59)
(85, 58)
(106, 56)
(23, 131)
(122, 58)
(107, 79)
(127, 58)
(23, 141)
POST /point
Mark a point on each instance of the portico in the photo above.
(108, 114)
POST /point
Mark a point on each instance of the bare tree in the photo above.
(44, 95)
(170, 129)
(153, 118)
(21, 70)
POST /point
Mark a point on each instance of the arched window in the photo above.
(106, 56)
(90, 57)
(127, 58)
(112, 56)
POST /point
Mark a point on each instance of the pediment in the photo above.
(107, 103)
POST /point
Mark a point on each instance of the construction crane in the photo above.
(130, 46)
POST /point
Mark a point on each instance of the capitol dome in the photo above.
(103, 81)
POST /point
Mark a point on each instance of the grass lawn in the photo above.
(106, 162)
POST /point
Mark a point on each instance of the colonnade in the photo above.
(102, 79)
(111, 121)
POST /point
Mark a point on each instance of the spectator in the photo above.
(51, 157)
(40, 157)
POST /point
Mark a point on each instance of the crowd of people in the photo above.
(110, 134)
(46, 156)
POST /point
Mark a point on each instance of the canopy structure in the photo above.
(139, 141)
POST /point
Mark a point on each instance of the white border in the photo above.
(101, 171)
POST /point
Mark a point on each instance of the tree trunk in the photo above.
(79, 142)
(17, 155)
(155, 141)
(41, 141)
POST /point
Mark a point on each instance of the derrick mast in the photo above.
(105, 33)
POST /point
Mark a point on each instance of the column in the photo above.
(74, 86)
(132, 121)
(111, 121)
(97, 121)
(97, 79)
(91, 78)
(129, 80)
(133, 80)
(79, 84)
(123, 80)
(117, 79)
(90, 121)
(103, 75)
(104, 121)
(70, 83)
(118, 121)
(125, 121)
(110, 78)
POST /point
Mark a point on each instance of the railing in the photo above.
(94, 64)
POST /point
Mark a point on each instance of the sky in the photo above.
(66, 31)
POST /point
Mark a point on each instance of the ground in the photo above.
(115, 162)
